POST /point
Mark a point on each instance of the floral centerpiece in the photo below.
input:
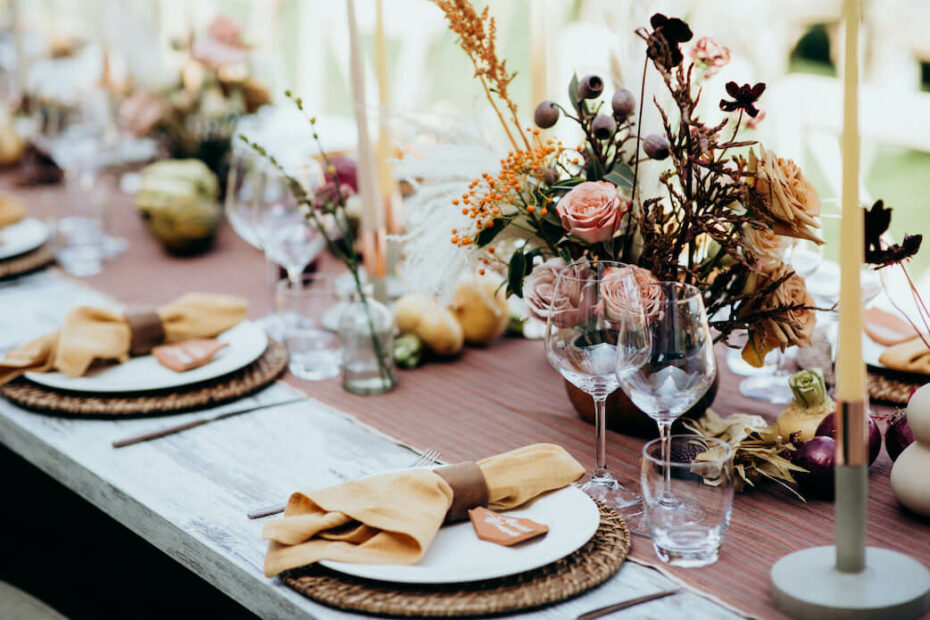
(195, 116)
(727, 207)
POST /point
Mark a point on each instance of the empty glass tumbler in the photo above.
(687, 495)
(313, 350)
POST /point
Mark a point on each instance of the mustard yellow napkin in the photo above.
(910, 356)
(89, 334)
(392, 518)
(11, 211)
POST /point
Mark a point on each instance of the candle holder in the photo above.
(848, 579)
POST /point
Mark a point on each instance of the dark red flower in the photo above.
(877, 221)
(668, 33)
(743, 98)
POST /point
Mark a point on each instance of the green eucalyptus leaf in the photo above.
(515, 272)
(573, 95)
(620, 175)
(487, 235)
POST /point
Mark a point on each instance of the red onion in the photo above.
(816, 456)
(898, 435)
(827, 428)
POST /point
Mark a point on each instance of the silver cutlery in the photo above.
(430, 456)
(609, 609)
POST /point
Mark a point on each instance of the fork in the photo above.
(429, 456)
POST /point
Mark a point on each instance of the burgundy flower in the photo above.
(877, 220)
(744, 98)
(668, 33)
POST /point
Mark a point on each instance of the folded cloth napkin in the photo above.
(11, 211)
(910, 356)
(392, 518)
(89, 334)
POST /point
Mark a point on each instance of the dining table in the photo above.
(188, 493)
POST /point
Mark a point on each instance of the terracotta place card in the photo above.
(503, 530)
(187, 355)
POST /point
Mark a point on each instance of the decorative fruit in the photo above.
(416, 313)
(898, 435)
(481, 308)
(827, 428)
(177, 199)
(810, 406)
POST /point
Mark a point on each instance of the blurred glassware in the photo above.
(687, 538)
(366, 335)
(313, 350)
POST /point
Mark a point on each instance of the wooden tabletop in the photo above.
(488, 400)
(188, 494)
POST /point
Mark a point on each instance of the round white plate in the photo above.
(21, 237)
(457, 555)
(247, 341)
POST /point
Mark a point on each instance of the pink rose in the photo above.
(223, 45)
(711, 54)
(619, 291)
(569, 305)
(592, 211)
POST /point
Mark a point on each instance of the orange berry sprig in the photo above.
(512, 192)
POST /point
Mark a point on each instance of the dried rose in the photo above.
(591, 211)
(794, 204)
(711, 54)
(568, 308)
(663, 43)
(793, 325)
(762, 241)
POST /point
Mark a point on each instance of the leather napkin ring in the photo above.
(469, 488)
(146, 331)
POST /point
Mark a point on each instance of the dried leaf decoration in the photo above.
(758, 449)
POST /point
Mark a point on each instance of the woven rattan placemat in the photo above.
(252, 378)
(890, 390)
(584, 569)
(24, 263)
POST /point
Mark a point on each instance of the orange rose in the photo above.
(794, 203)
(788, 328)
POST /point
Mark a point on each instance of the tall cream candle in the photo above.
(538, 85)
(372, 218)
(385, 171)
(850, 369)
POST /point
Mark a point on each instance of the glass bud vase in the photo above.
(366, 335)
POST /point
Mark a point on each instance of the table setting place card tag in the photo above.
(503, 530)
(187, 355)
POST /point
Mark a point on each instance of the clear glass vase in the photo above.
(366, 335)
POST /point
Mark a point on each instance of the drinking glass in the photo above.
(281, 225)
(698, 471)
(581, 339)
(665, 356)
(313, 351)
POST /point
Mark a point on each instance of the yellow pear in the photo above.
(480, 306)
(420, 314)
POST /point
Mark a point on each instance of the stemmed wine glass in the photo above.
(281, 225)
(665, 358)
(581, 338)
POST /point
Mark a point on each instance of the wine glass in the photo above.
(581, 343)
(281, 224)
(665, 358)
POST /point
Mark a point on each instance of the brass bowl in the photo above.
(625, 417)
